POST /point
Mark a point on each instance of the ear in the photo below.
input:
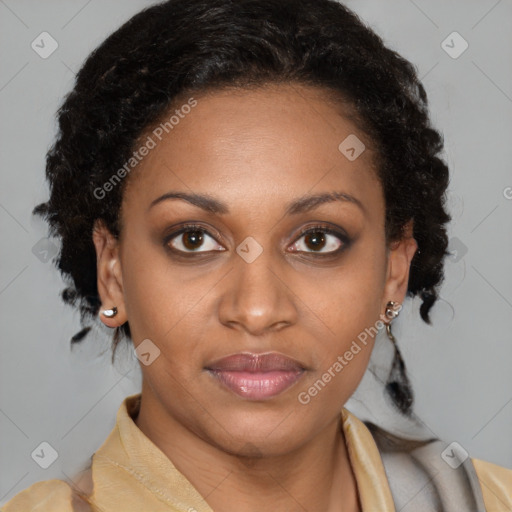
(400, 256)
(110, 282)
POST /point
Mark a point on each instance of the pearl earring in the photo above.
(109, 313)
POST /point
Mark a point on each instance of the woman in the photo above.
(247, 191)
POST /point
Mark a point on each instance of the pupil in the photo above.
(317, 239)
(192, 239)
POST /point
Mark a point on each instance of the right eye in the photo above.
(190, 238)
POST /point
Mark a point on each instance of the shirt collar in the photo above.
(128, 454)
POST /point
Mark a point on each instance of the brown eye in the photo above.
(191, 239)
(315, 240)
(320, 240)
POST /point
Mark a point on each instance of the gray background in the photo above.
(460, 366)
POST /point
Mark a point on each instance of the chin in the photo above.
(262, 433)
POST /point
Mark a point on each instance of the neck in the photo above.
(316, 476)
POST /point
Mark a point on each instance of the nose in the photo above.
(257, 297)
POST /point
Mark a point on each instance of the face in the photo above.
(279, 248)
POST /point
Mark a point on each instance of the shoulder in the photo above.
(46, 496)
(496, 484)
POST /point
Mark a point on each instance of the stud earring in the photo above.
(109, 313)
(397, 385)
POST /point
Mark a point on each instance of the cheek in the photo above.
(350, 321)
(348, 304)
(348, 298)
(158, 297)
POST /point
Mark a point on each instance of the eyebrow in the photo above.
(301, 205)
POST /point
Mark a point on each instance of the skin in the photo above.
(256, 151)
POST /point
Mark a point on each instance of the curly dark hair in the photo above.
(175, 48)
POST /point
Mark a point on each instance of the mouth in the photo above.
(256, 376)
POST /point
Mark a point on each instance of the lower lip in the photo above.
(257, 386)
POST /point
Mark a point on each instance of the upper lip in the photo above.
(256, 363)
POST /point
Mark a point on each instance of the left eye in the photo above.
(316, 240)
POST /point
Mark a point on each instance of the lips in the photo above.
(256, 363)
(256, 376)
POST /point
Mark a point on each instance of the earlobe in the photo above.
(110, 285)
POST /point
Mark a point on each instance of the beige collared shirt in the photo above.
(131, 474)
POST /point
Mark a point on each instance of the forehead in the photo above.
(268, 144)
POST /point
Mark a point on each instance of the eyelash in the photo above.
(319, 228)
